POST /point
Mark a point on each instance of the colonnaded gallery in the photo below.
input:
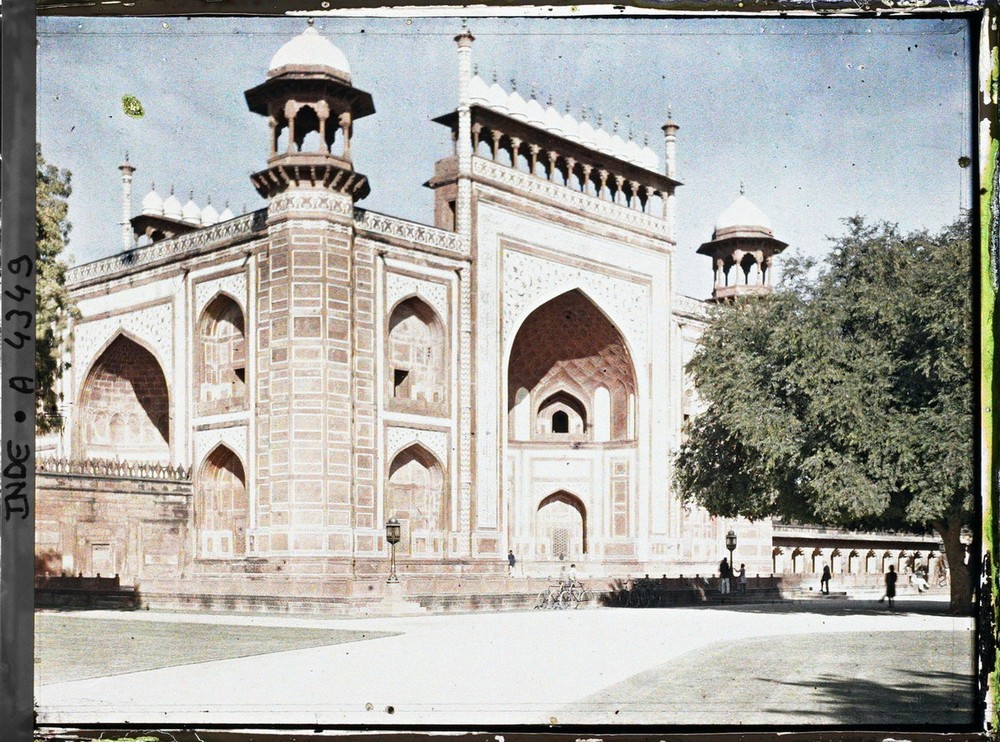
(251, 397)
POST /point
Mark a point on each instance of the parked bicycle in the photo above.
(564, 594)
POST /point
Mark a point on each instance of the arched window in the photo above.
(416, 359)
(221, 508)
(562, 415)
(307, 137)
(560, 422)
(416, 495)
(125, 406)
(221, 362)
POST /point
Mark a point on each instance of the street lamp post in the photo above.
(731, 545)
(392, 536)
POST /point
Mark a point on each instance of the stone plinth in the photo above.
(393, 603)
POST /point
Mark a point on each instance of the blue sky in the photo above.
(820, 118)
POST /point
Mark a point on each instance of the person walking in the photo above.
(511, 561)
(890, 586)
(824, 581)
(725, 572)
(743, 578)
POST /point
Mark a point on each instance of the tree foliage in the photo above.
(54, 305)
(845, 398)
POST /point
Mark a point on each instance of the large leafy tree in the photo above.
(845, 398)
(54, 305)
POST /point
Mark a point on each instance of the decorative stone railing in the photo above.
(691, 306)
(568, 197)
(241, 226)
(422, 234)
(113, 468)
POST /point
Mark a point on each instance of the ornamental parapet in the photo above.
(113, 468)
(401, 229)
(164, 251)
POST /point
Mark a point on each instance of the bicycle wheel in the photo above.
(586, 597)
(543, 599)
(574, 595)
(623, 598)
(565, 599)
(633, 599)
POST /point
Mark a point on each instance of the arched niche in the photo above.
(221, 507)
(124, 408)
(561, 416)
(569, 344)
(220, 358)
(416, 495)
(416, 359)
(561, 527)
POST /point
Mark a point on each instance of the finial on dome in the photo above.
(600, 118)
(209, 198)
(743, 189)
(645, 139)
(126, 155)
(152, 185)
(171, 189)
(614, 126)
(568, 107)
(475, 69)
(191, 195)
(549, 102)
(494, 77)
(310, 22)
(513, 84)
(534, 91)
(583, 113)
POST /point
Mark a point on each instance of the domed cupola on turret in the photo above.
(742, 250)
(310, 104)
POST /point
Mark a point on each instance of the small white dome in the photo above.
(479, 91)
(517, 107)
(172, 207)
(536, 114)
(191, 212)
(650, 160)
(152, 203)
(742, 213)
(553, 121)
(632, 153)
(571, 127)
(310, 49)
(209, 215)
(586, 135)
(498, 98)
(618, 147)
(226, 215)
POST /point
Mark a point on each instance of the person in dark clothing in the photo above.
(725, 572)
(824, 581)
(890, 586)
(511, 561)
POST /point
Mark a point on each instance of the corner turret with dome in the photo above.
(742, 249)
(308, 98)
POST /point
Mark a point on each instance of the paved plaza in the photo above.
(812, 662)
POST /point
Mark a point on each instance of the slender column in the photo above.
(587, 170)
(570, 167)
(603, 174)
(345, 128)
(273, 123)
(322, 134)
(670, 143)
(719, 268)
(534, 149)
(477, 129)
(515, 148)
(291, 109)
(635, 195)
(553, 160)
(620, 184)
(497, 135)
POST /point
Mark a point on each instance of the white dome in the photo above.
(311, 49)
(650, 160)
(226, 215)
(498, 98)
(536, 114)
(618, 147)
(209, 215)
(191, 212)
(516, 106)
(479, 91)
(632, 153)
(742, 213)
(553, 121)
(585, 134)
(152, 203)
(172, 207)
(571, 127)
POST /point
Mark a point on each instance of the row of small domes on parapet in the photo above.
(190, 213)
(563, 125)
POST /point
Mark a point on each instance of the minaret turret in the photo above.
(742, 249)
(127, 168)
(308, 97)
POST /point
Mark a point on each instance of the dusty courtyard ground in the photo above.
(817, 662)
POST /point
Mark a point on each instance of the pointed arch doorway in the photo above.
(561, 528)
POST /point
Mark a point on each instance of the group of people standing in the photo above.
(726, 573)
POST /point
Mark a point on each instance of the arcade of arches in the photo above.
(124, 406)
(221, 506)
(416, 496)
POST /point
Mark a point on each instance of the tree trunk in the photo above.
(960, 574)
